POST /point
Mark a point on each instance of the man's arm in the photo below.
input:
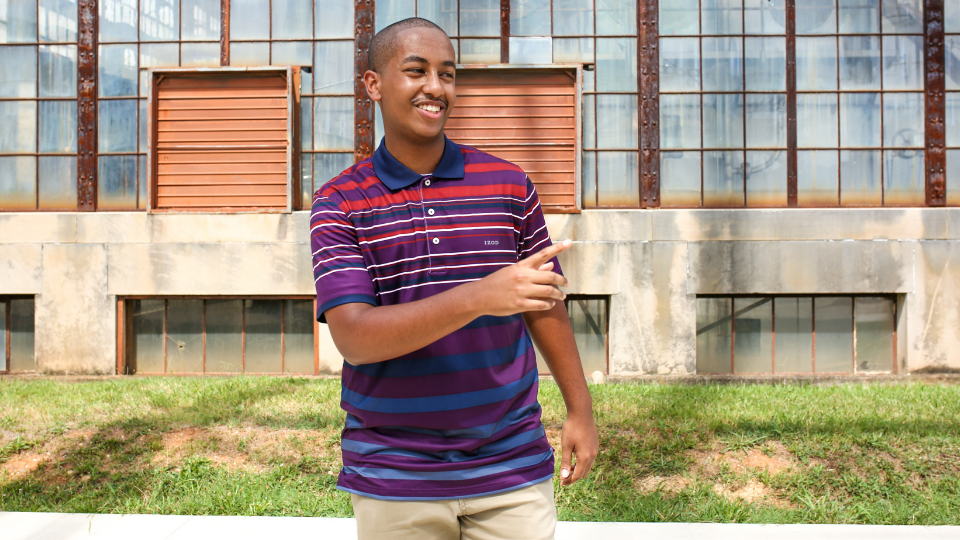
(552, 333)
(367, 334)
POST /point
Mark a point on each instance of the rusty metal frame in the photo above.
(934, 86)
(648, 84)
(87, 32)
(224, 32)
(790, 19)
(505, 30)
(7, 333)
(363, 111)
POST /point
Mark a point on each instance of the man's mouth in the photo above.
(430, 107)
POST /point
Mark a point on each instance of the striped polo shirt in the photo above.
(459, 417)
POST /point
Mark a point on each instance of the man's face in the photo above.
(416, 89)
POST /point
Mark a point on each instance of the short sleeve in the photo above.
(339, 273)
(533, 228)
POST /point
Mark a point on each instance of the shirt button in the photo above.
(436, 240)
(430, 212)
(426, 182)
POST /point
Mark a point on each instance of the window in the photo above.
(796, 334)
(952, 53)
(219, 335)
(473, 25)
(589, 317)
(16, 334)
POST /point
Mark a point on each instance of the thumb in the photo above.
(566, 467)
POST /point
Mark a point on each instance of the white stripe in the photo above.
(535, 245)
(436, 201)
(408, 203)
(338, 270)
(431, 283)
(335, 258)
(440, 268)
(431, 231)
(398, 261)
(315, 227)
(318, 212)
(324, 248)
(434, 218)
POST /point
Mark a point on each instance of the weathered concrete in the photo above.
(140, 227)
(591, 268)
(933, 312)
(38, 228)
(76, 322)
(20, 268)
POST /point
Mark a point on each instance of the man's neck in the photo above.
(421, 158)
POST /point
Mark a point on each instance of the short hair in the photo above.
(384, 45)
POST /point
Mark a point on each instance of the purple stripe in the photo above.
(445, 490)
(408, 463)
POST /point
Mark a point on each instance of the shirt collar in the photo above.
(396, 175)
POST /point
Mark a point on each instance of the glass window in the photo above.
(816, 63)
(679, 18)
(335, 19)
(860, 178)
(292, 19)
(249, 19)
(903, 62)
(618, 179)
(298, 342)
(714, 335)
(200, 20)
(617, 113)
(794, 351)
(333, 123)
(527, 18)
(58, 127)
(616, 17)
(816, 118)
(249, 54)
(117, 127)
(479, 51)
(118, 20)
(18, 72)
(723, 179)
(391, 11)
(159, 20)
(753, 344)
(262, 347)
(858, 16)
(479, 17)
(57, 183)
(833, 320)
(616, 69)
(58, 71)
(224, 324)
(679, 64)
(531, 50)
(184, 342)
(19, 134)
(57, 20)
(200, 55)
(903, 178)
(571, 50)
(721, 16)
(766, 176)
(22, 355)
(588, 318)
(18, 21)
(117, 70)
(764, 16)
(18, 188)
(117, 183)
(443, 13)
(572, 17)
(292, 53)
(680, 186)
(679, 121)
(818, 178)
(145, 352)
(336, 77)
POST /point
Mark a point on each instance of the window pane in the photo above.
(767, 178)
(952, 46)
(816, 63)
(159, 20)
(292, 53)
(722, 64)
(531, 50)
(714, 335)
(903, 120)
(833, 324)
(200, 54)
(589, 121)
(117, 129)
(903, 177)
(722, 179)
(328, 166)
(572, 50)
(953, 118)
(391, 11)
(858, 16)
(679, 65)
(817, 17)
(679, 18)
(118, 20)
(19, 121)
(335, 63)
(306, 180)
(860, 178)
(903, 62)
(58, 126)
(479, 17)
(443, 13)
(859, 120)
(766, 120)
(572, 17)
(953, 178)
(184, 336)
(616, 17)
(721, 16)
(3, 315)
(753, 340)
(335, 19)
(224, 336)
(143, 125)
(156, 55)
(306, 123)
(21, 335)
(616, 64)
(58, 71)
(951, 16)
(58, 183)
(298, 336)
(680, 121)
(18, 21)
(680, 179)
(527, 18)
(250, 19)
(262, 351)
(794, 334)
(722, 121)
(765, 63)
(618, 179)
(117, 183)
(588, 317)
(18, 72)
(817, 121)
(859, 63)
(764, 16)
(589, 171)
(142, 183)
(292, 19)
(18, 183)
(874, 327)
(146, 352)
(333, 124)
(479, 51)
(249, 54)
(200, 20)
(617, 114)
(118, 70)
(901, 17)
(818, 178)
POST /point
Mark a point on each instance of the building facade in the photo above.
(752, 186)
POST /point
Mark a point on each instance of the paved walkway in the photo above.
(41, 526)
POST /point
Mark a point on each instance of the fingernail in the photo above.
(564, 473)
(567, 242)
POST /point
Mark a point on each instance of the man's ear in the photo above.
(371, 80)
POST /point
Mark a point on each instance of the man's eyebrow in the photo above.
(449, 63)
(415, 58)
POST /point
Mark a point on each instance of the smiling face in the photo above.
(415, 88)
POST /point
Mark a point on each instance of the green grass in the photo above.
(791, 453)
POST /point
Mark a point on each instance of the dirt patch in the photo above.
(667, 484)
(19, 466)
(772, 457)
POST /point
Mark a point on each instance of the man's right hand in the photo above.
(529, 285)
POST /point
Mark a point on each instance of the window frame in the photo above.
(8, 331)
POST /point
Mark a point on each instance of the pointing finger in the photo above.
(548, 253)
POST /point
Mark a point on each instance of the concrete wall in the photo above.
(652, 263)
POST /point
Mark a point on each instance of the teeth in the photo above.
(430, 108)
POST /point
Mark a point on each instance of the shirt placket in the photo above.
(430, 240)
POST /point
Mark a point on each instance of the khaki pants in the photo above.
(524, 514)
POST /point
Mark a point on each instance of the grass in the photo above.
(850, 453)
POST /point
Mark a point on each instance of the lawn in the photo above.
(882, 453)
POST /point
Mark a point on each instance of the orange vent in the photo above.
(221, 141)
(528, 118)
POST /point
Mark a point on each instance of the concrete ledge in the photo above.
(49, 526)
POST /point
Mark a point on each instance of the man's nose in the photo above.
(432, 86)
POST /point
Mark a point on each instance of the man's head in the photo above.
(412, 73)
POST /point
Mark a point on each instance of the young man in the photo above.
(433, 267)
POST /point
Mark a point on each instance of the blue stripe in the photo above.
(449, 497)
(340, 300)
(449, 456)
(449, 402)
(479, 432)
(467, 474)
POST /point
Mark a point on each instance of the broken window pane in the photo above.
(874, 327)
(184, 336)
(588, 317)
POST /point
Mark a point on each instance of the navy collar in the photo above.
(396, 175)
